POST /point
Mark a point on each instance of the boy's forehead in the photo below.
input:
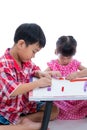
(35, 46)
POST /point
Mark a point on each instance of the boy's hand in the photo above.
(41, 74)
(44, 82)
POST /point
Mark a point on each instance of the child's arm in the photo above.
(82, 73)
(81, 67)
(78, 74)
(26, 87)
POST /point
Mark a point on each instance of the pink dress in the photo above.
(72, 109)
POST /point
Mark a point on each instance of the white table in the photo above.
(60, 90)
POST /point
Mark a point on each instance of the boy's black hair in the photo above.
(30, 33)
(66, 45)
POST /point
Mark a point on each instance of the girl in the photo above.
(66, 66)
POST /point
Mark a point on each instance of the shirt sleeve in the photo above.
(51, 64)
(34, 68)
(7, 82)
(76, 63)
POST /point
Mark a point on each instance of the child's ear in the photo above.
(55, 52)
(21, 44)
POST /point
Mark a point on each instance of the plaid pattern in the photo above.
(11, 76)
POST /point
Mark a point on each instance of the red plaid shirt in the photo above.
(11, 76)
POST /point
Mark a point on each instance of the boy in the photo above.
(16, 68)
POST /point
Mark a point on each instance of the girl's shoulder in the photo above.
(74, 61)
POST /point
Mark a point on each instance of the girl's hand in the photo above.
(55, 73)
(72, 76)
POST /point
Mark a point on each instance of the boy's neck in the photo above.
(13, 53)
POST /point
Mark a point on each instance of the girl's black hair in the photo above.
(66, 45)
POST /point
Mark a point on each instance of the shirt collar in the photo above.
(12, 63)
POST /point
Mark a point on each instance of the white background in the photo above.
(56, 17)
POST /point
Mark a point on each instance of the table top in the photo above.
(60, 90)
